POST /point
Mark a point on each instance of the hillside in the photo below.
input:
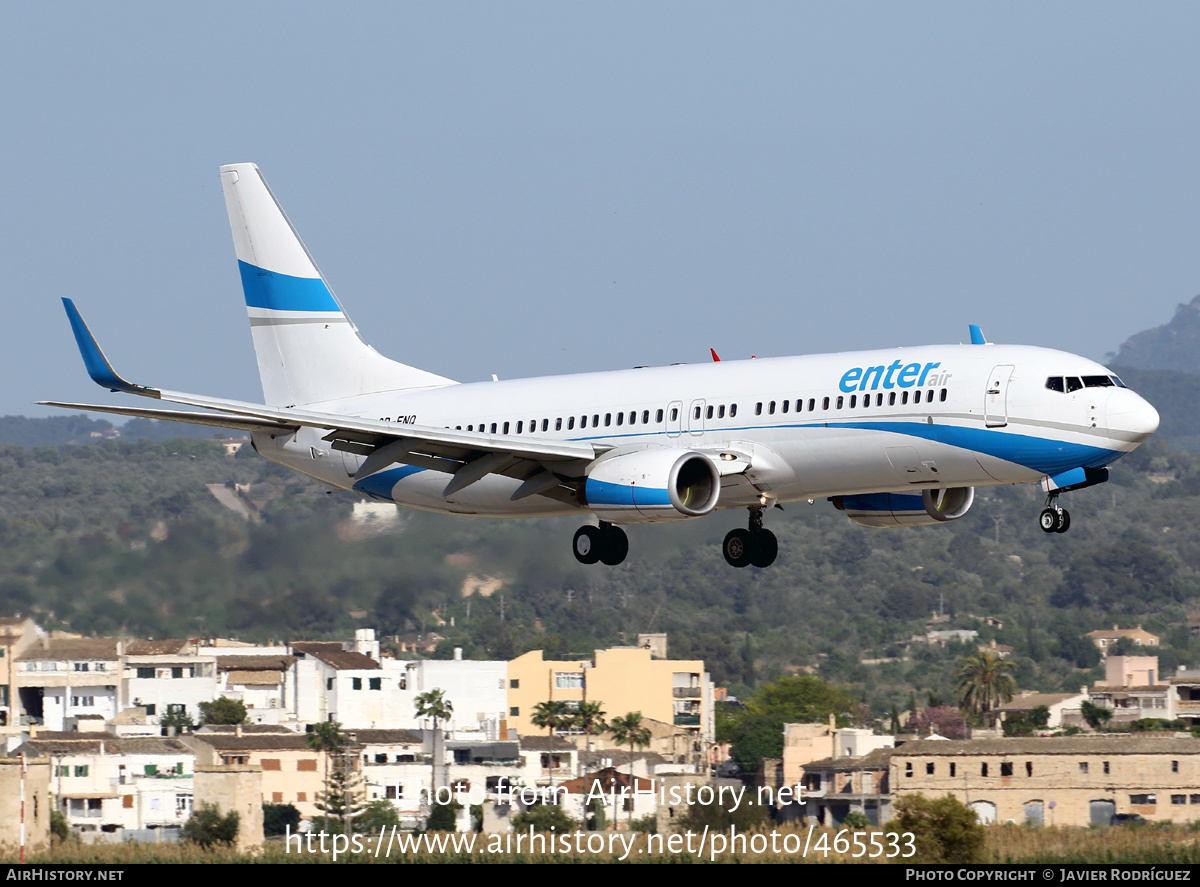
(1173, 346)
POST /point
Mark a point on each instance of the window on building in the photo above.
(1174, 766)
(356, 683)
(568, 680)
(145, 672)
(908, 771)
(1029, 768)
(514, 684)
(1146, 800)
(81, 770)
(1178, 799)
(1106, 768)
(1006, 769)
(983, 769)
(1083, 767)
(329, 683)
(376, 683)
(514, 712)
(150, 770)
(929, 768)
(953, 768)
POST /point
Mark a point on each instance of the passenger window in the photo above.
(545, 425)
(1055, 383)
(620, 418)
(470, 428)
(1073, 384)
(879, 399)
(943, 397)
(493, 428)
(583, 421)
(633, 417)
(458, 428)
(853, 401)
(570, 423)
(839, 401)
(607, 419)
(812, 404)
(506, 428)
(866, 401)
(674, 413)
(771, 408)
(721, 411)
(558, 424)
(696, 413)
(758, 408)
(645, 417)
(929, 396)
(825, 404)
(709, 413)
(519, 426)
(904, 398)
(658, 417)
(892, 399)
(917, 396)
(799, 404)
(783, 407)
(732, 410)
(596, 420)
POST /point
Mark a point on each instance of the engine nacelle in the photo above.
(885, 510)
(652, 485)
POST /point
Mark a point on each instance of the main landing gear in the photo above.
(605, 543)
(1054, 518)
(754, 545)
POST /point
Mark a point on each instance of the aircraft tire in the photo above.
(1064, 521)
(737, 547)
(1048, 520)
(587, 544)
(614, 547)
(764, 549)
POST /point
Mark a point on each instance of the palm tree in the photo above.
(434, 704)
(589, 718)
(984, 682)
(551, 716)
(628, 730)
(327, 738)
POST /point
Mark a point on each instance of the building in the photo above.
(60, 679)
(1063, 707)
(1104, 638)
(837, 785)
(1076, 780)
(622, 679)
(1132, 688)
(167, 677)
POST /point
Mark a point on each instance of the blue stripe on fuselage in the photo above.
(379, 485)
(282, 292)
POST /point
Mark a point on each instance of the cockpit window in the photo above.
(1117, 381)
(1055, 383)
(1097, 382)
(1073, 384)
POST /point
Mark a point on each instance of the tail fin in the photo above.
(308, 349)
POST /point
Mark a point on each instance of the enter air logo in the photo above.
(897, 375)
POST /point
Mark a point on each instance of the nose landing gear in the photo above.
(753, 546)
(605, 543)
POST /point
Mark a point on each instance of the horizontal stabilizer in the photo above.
(216, 420)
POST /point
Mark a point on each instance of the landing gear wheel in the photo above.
(1064, 521)
(737, 548)
(614, 547)
(587, 544)
(1048, 520)
(764, 547)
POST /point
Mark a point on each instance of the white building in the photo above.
(61, 679)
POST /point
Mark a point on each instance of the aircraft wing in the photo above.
(540, 464)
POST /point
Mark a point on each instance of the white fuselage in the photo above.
(938, 416)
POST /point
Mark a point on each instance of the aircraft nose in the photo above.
(1131, 418)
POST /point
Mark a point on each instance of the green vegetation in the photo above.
(206, 827)
(222, 711)
(945, 829)
(544, 818)
(278, 818)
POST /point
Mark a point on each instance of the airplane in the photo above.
(892, 438)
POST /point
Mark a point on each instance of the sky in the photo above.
(538, 188)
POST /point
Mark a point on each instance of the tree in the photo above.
(984, 682)
(434, 704)
(628, 730)
(443, 818)
(206, 826)
(223, 711)
(179, 719)
(945, 720)
(943, 829)
(341, 796)
(278, 818)
(589, 718)
(544, 818)
(756, 731)
(1097, 716)
(551, 716)
(376, 815)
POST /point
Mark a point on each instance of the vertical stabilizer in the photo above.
(308, 350)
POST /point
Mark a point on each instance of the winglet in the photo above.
(977, 337)
(714, 355)
(97, 364)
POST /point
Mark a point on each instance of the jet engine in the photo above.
(885, 510)
(648, 486)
